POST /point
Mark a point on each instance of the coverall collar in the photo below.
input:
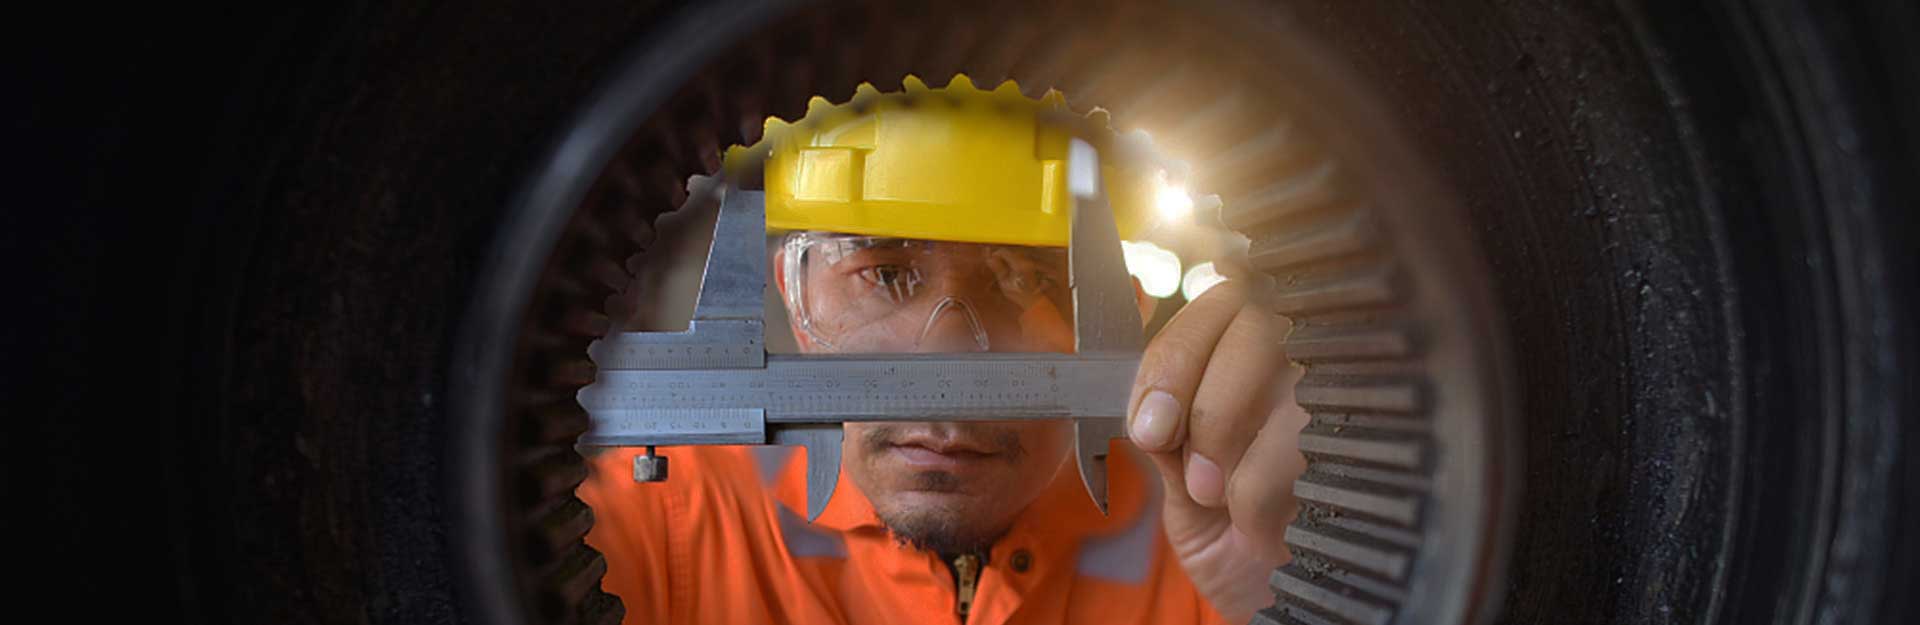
(1063, 511)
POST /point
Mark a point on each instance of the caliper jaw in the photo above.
(1106, 317)
(822, 442)
(727, 331)
(1092, 438)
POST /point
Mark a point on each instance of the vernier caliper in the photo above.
(715, 383)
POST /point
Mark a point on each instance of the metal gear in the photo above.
(1403, 515)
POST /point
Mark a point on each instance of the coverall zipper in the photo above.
(966, 575)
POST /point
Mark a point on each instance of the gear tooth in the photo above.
(1054, 99)
(961, 83)
(1100, 118)
(913, 85)
(818, 106)
(1008, 88)
(734, 159)
(772, 127)
(865, 97)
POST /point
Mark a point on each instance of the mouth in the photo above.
(946, 443)
(944, 448)
(933, 457)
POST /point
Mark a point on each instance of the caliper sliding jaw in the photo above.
(715, 384)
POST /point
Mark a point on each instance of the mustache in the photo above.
(1002, 442)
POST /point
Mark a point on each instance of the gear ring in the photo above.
(1403, 509)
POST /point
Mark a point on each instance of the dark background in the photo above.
(114, 243)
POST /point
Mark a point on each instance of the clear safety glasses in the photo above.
(853, 294)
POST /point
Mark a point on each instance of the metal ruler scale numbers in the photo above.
(715, 384)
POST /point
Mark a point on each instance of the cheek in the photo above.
(861, 464)
(893, 334)
(1048, 443)
(853, 435)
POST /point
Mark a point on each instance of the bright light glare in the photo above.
(1174, 203)
(1198, 279)
(1157, 269)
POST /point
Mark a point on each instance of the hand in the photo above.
(1213, 407)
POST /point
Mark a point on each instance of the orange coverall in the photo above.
(722, 542)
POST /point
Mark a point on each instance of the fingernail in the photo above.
(1205, 483)
(1153, 423)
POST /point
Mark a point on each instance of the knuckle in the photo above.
(1216, 427)
(1202, 432)
(1221, 434)
(1177, 348)
(1170, 357)
(1259, 326)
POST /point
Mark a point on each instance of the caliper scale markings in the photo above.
(827, 389)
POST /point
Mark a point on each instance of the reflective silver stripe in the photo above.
(802, 540)
(805, 542)
(1125, 557)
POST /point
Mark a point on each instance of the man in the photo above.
(936, 221)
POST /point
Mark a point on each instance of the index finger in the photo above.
(1172, 366)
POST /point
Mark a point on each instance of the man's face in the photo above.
(954, 486)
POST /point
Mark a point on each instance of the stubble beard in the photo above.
(941, 529)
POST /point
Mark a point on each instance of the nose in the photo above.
(953, 326)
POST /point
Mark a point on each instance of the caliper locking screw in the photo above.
(649, 467)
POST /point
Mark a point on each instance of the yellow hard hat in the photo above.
(950, 164)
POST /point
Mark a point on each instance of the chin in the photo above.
(959, 505)
(944, 523)
(942, 490)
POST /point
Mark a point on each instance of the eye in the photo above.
(1025, 274)
(1049, 278)
(895, 282)
(1037, 282)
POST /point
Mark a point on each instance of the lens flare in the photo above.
(1157, 268)
(1198, 279)
(1174, 203)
